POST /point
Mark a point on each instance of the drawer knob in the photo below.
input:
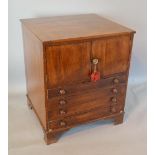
(114, 90)
(114, 99)
(62, 123)
(62, 91)
(62, 112)
(62, 102)
(113, 109)
(116, 81)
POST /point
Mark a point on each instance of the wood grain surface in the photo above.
(59, 61)
(34, 68)
(63, 28)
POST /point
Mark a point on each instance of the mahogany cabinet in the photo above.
(76, 70)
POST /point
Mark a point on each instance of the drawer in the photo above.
(83, 117)
(85, 100)
(67, 90)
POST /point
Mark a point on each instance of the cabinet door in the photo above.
(68, 63)
(113, 54)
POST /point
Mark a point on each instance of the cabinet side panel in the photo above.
(34, 66)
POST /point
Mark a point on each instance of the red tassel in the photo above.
(95, 76)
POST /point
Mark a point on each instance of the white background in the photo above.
(128, 138)
(131, 13)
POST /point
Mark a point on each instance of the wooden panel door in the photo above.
(68, 63)
(113, 54)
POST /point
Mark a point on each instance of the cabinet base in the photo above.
(119, 119)
(52, 137)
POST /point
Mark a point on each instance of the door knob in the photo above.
(95, 76)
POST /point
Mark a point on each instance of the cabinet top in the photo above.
(73, 27)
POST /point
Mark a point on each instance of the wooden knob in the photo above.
(116, 81)
(114, 99)
(114, 90)
(62, 123)
(62, 112)
(62, 102)
(113, 109)
(62, 91)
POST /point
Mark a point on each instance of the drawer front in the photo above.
(77, 88)
(84, 117)
(86, 100)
